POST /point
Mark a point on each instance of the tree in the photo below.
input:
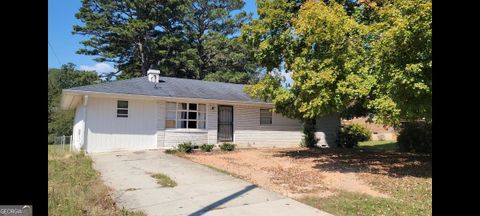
(210, 27)
(342, 58)
(403, 62)
(183, 38)
(134, 34)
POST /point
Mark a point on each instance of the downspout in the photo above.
(85, 129)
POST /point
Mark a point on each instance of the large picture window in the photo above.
(185, 115)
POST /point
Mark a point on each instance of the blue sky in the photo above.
(63, 45)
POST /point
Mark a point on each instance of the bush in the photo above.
(206, 147)
(227, 147)
(415, 137)
(350, 135)
(186, 147)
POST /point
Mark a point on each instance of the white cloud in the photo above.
(100, 68)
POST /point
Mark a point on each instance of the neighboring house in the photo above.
(156, 112)
(379, 132)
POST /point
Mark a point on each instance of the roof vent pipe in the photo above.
(154, 76)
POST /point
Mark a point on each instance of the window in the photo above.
(185, 115)
(122, 109)
(265, 117)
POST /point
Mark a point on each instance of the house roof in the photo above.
(171, 87)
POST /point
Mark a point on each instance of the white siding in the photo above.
(177, 136)
(283, 132)
(78, 127)
(161, 108)
(107, 132)
(212, 123)
(145, 127)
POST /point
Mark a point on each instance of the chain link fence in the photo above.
(63, 142)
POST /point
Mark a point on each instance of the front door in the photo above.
(225, 123)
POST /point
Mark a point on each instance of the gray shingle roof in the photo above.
(173, 87)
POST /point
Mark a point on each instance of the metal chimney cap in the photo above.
(153, 71)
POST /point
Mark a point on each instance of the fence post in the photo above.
(63, 142)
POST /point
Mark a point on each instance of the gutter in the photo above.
(153, 97)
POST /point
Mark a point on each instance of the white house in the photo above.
(156, 112)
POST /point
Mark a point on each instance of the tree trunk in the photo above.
(203, 63)
(309, 128)
(143, 59)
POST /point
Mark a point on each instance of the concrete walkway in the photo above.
(200, 190)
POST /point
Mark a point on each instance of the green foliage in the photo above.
(227, 147)
(132, 34)
(349, 57)
(416, 137)
(350, 135)
(183, 38)
(62, 123)
(185, 147)
(207, 147)
(380, 145)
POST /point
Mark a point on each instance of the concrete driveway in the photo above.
(200, 190)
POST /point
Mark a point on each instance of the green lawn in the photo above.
(386, 145)
(75, 188)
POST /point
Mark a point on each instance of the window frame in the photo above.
(122, 115)
(263, 117)
(183, 115)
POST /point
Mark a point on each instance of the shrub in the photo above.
(415, 137)
(186, 147)
(227, 147)
(350, 135)
(206, 147)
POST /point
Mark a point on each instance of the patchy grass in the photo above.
(163, 180)
(385, 145)
(75, 188)
(346, 203)
(409, 196)
(339, 181)
(171, 151)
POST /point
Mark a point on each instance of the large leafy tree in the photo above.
(362, 57)
(402, 61)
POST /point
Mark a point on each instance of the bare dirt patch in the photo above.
(296, 172)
